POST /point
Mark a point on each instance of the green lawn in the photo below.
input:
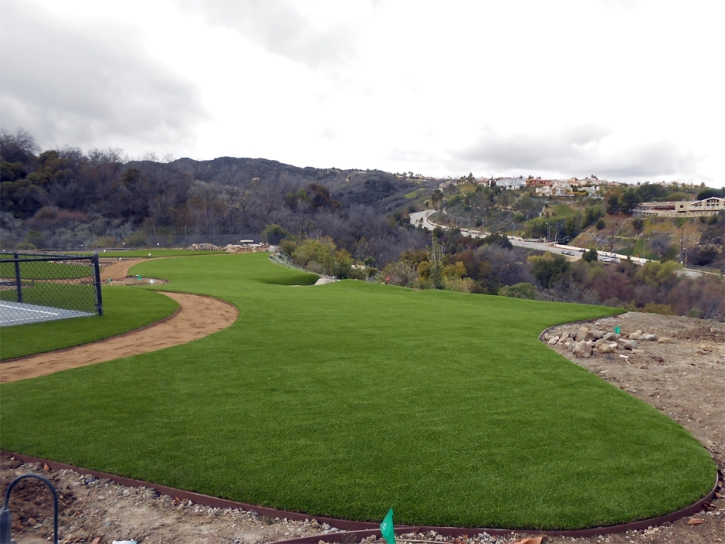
(155, 253)
(125, 309)
(349, 398)
(44, 270)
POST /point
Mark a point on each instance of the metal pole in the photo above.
(5, 518)
(97, 284)
(17, 278)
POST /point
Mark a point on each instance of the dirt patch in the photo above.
(681, 372)
(196, 318)
(112, 270)
(93, 508)
(116, 273)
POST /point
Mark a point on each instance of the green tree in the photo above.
(548, 268)
(613, 205)
(590, 256)
(519, 290)
(629, 201)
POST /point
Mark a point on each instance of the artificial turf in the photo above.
(125, 309)
(45, 270)
(153, 253)
(349, 398)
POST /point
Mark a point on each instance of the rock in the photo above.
(636, 335)
(630, 344)
(665, 340)
(609, 336)
(649, 337)
(581, 334)
(582, 349)
(547, 336)
(564, 338)
(553, 341)
(604, 348)
(597, 334)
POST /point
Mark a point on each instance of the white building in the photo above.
(511, 183)
(690, 208)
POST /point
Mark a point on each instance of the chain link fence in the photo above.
(41, 287)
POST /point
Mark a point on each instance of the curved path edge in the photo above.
(198, 316)
(358, 530)
(119, 335)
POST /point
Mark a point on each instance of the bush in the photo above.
(601, 224)
(590, 256)
(137, 239)
(399, 273)
(461, 285)
(520, 290)
(548, 268)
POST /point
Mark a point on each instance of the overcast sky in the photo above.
(623, 89)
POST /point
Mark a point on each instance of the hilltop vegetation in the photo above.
(63, 198)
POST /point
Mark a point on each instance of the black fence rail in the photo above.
(38, 287)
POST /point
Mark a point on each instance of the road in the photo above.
(422, 219)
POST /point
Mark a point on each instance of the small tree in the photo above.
(590, 256)
(519, 290)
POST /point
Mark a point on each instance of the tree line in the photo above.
(62, 198)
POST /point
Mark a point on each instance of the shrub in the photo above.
(591, 255)
(520, 290)
(137, 239)
(462, 285)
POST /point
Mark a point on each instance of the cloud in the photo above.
(88, 84)
(578, 150)
(281, 29)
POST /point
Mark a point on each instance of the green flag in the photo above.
(386, 527)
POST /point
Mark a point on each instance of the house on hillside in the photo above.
(511, 183)
(690, 208)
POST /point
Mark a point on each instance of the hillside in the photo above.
(383, 191)
(697, 241)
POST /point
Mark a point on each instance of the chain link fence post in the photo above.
(97, 283)
(18, 283)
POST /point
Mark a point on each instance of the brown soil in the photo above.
(111, 270)
(196, 318)
(685, 380)
(116, 273)
(93, 508)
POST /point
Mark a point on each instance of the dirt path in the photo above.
(117, 269)
(196, 318)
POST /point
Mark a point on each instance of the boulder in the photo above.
(636, 335)
(610, 336)
(582, 349)
(597, 334)
(649, 337)
(581, 334)
(604, 348)
(630, 344)
(553, 340)
(665, 340)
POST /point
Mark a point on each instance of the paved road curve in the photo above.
(422, 219)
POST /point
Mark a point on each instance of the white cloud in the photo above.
(578, 150)
(88, 84)
(280, 27)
